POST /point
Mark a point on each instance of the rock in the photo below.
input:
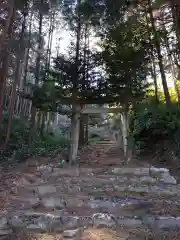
(85, 221)
(5, 228)
(101, 204)
(43, 222)
(40, 221)
(133, 171)
(128, 222)
(46, 189)
(167, 178)
(72, 234)
(163, 175)
(148, 220)
(3, 222)
(16, 222)
(46, 168)
(159, 170)
(70, 222)
(7, 231)
(65, 172)
(33, 201)
(165, 190)
(147, 179)
(24, 181)
(74, 202)
(6, 237)
(167, 222)
(139, 189)
(53, 202)
(103, 220)
(86, 171)
(34, 227)
(122, 188)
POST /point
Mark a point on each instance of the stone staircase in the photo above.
(100, 200)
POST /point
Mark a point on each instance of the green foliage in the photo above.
(150, 95)
(125, 58)
(152, 124)
(18, 149)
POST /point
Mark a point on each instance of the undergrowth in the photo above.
(155, 128)
(18, 148)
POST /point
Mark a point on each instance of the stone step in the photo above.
(59, 222)
(103, 203)
(101, 178)
(111, 179)
(106, 170)
(92, 189)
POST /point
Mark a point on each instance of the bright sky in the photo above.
(65, 39)
(63, 42)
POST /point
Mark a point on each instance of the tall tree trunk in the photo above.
(170, 58)
(87, 85)
(86, 128)
(125, 128)
(159, 55)
(154, 76)
(81, 132)
(5, 32)
(37, 75)
(23, 108)
(43, 123)
(75, 125)
(3, 73)
(75, 119)
(153, 69)
(49, 47)
(16, 77)
(175, 9)
(82, 118)
(5, 55)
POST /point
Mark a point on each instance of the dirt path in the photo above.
(99, 200)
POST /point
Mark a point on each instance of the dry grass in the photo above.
(103, 234)
(25, 235)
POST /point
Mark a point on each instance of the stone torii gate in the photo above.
(75, 127)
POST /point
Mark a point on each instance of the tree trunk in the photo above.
(81, 132)
(37, 75)
(5, 54)
(49, 45)
(75, 121)
(42, 124)
(32, 123)
(39, 119)
(16, 79)
(3, 73)
(175, 9)
(153, 69)
(125, 131)
(5, 32)
(86, 129)
(154, 76)
(159, 55)
(75, 125)
(170, 59)
(82, 118)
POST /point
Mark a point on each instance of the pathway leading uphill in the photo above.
(100, 200)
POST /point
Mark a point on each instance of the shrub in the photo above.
(18, 149)
(152, 124)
